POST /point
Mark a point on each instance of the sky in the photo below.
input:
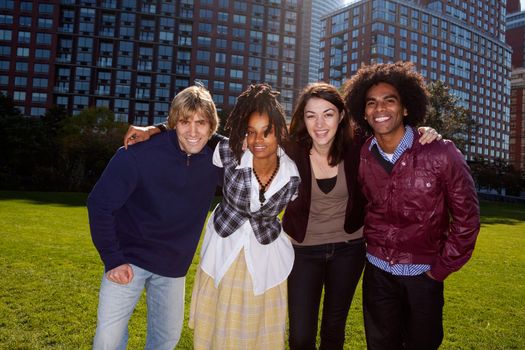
(522, 2)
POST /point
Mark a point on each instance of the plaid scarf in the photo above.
(234, 209)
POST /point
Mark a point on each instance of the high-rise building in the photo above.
(515, 37)
(133, 56)
(27, 49)
(311, 36)
(517, 120)
(461, 43)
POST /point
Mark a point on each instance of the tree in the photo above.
(497, 175)
(223, 116)
(89, 140)
(7, 107)
(55, 151)
(514, 181)
(20, 145)
(447, 116)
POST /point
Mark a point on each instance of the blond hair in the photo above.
(190, 101)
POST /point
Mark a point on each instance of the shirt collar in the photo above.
(404, 144)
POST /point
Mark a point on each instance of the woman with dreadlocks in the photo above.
(239, 296)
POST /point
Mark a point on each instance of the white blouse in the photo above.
(269, 265)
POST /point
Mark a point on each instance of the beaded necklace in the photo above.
(262, 188)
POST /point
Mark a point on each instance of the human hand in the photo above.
(122, 274)
(136, 134)
(428, 135)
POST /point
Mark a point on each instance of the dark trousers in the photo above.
(337, 267)
(402, 312)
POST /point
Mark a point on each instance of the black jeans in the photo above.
(335, 266)
(402, 312)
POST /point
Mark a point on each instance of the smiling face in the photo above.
(322, 119)
(193, 133)
(262, 147)
(384, 111)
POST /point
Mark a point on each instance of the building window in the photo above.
(202, 70)
(236, 74)
(21, 81)
(25, 6)
(204, 41)
(23, 37)
(220, 57)
(220, 72)
(5, 50)
(22, 52)
(218, 99)
(237, 60)
(167, 36)
(45, 23)
(237, 46)
(19, 95)
(142, 93)
(40, 83)
(37, 111)
(218, 85)
(239, 19)
(203, 55)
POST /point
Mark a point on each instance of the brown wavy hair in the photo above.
(343, 136)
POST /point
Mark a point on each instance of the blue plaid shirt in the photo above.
(397, 269)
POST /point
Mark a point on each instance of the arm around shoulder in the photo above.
(136, 134)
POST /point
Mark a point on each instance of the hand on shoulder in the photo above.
(136, 134)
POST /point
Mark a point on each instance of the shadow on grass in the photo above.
(60, 198)
(69, 199)
(498, 213)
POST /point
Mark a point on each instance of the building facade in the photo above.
(133, 56)
(461, 43)
(515, 37)
(517, 121)
(312, 35)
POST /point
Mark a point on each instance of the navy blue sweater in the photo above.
(149, 206)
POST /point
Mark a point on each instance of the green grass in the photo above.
(50, 274)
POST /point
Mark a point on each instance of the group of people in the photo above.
(360, 187)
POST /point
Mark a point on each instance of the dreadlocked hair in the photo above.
(258, 98)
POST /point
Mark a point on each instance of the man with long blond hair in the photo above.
(146, 213)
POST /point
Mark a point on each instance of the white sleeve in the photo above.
(217, 161)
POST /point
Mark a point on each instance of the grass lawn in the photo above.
(50, 274)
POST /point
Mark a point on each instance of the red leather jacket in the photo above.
(425, 211)
(295, 219)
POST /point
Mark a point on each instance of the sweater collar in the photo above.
(172, 134)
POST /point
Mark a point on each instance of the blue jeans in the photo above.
(165, 303)
(336, 267)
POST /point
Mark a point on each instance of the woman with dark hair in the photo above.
(325, 221)
(239, 294)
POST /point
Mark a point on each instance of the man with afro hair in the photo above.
(422, 215)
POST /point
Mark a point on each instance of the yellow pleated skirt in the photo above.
(231, 317)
